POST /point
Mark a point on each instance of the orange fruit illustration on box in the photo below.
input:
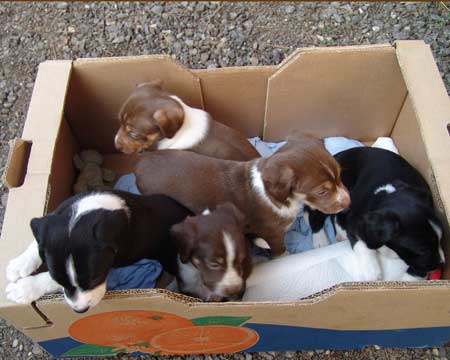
(158, 333)
(210, 339)
(128, 330)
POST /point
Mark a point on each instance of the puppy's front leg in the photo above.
(31, 288)
(369, 266)
(24, 264)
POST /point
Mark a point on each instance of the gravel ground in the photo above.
(200, 35)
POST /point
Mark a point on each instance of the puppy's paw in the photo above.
(22, 266)
(23, 291)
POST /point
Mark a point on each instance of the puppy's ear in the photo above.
(108, 228)
(39, 229)
(278, 180)
(169, 121)
(234, 212)
(185, 236)
(379, 227)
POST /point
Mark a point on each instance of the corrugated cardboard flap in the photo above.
(41, 129)
(431, 105)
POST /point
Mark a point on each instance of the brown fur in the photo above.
(300, 170)
(150, 115)
(199, 240)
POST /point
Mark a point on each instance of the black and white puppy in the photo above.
(86, 236)
(391, 213)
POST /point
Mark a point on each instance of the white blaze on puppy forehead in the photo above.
(96, 201)
(71, 273)
(230, 278)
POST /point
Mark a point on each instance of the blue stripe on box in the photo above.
(285, 338)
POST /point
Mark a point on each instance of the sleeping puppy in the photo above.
(85, 237)
(268, 191)
(214, 259)
(153, 119)
(391, 213)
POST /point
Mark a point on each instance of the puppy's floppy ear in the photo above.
(278, 180)
(169, 120)
(233, 211)
(379, 227)
(185, 236)
(39, 228)
(108, 227)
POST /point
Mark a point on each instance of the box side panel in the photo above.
(237, 96)
(99, 86)
(355, 92)
(41, 128)
(63, 172)
(430, 104)
(370, 315)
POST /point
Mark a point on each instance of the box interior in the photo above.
(358, 92)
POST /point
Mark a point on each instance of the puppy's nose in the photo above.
(344, 198)
(80, 311)
(235, 292)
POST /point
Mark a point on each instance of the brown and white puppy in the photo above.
(153, 119)
(213, 254)
(268, 191)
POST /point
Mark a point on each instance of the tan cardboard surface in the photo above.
(431, 105)
(350, 308)
(347, 91)
(236, 96)
(105, 83)
(41, 128)
(344, 76)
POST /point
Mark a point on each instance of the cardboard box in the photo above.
(361, 92)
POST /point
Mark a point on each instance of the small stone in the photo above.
(157, 9)
(204, 57)
(189, 42)
(375, 28)
(70, 29)
(4, 199)
(20, 347)
(311, 353)
(61, 5)
(36, 349)
(248, 24)
(15, 343)
(435, 352)
(248, 356)
(118, 39)
(320, 38)
(254, 60)
(289, 9)
(233, 15)
(377, 347)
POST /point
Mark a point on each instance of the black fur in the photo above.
(104, 239)
(399, 220)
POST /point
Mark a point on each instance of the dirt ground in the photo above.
(198, 34)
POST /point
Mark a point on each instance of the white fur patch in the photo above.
(389, 188)
(24, 264)
(31, 288)
(96, 201)
(230, 279)
(289, 212)
(437, 229)
(206, 212)
(320, 239)
(86, 299)
(261, 243)
(369, 266)
(341, 234)
(194, 129)
(70, 268)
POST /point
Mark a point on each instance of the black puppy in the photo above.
(87, 236)
(391, 207)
